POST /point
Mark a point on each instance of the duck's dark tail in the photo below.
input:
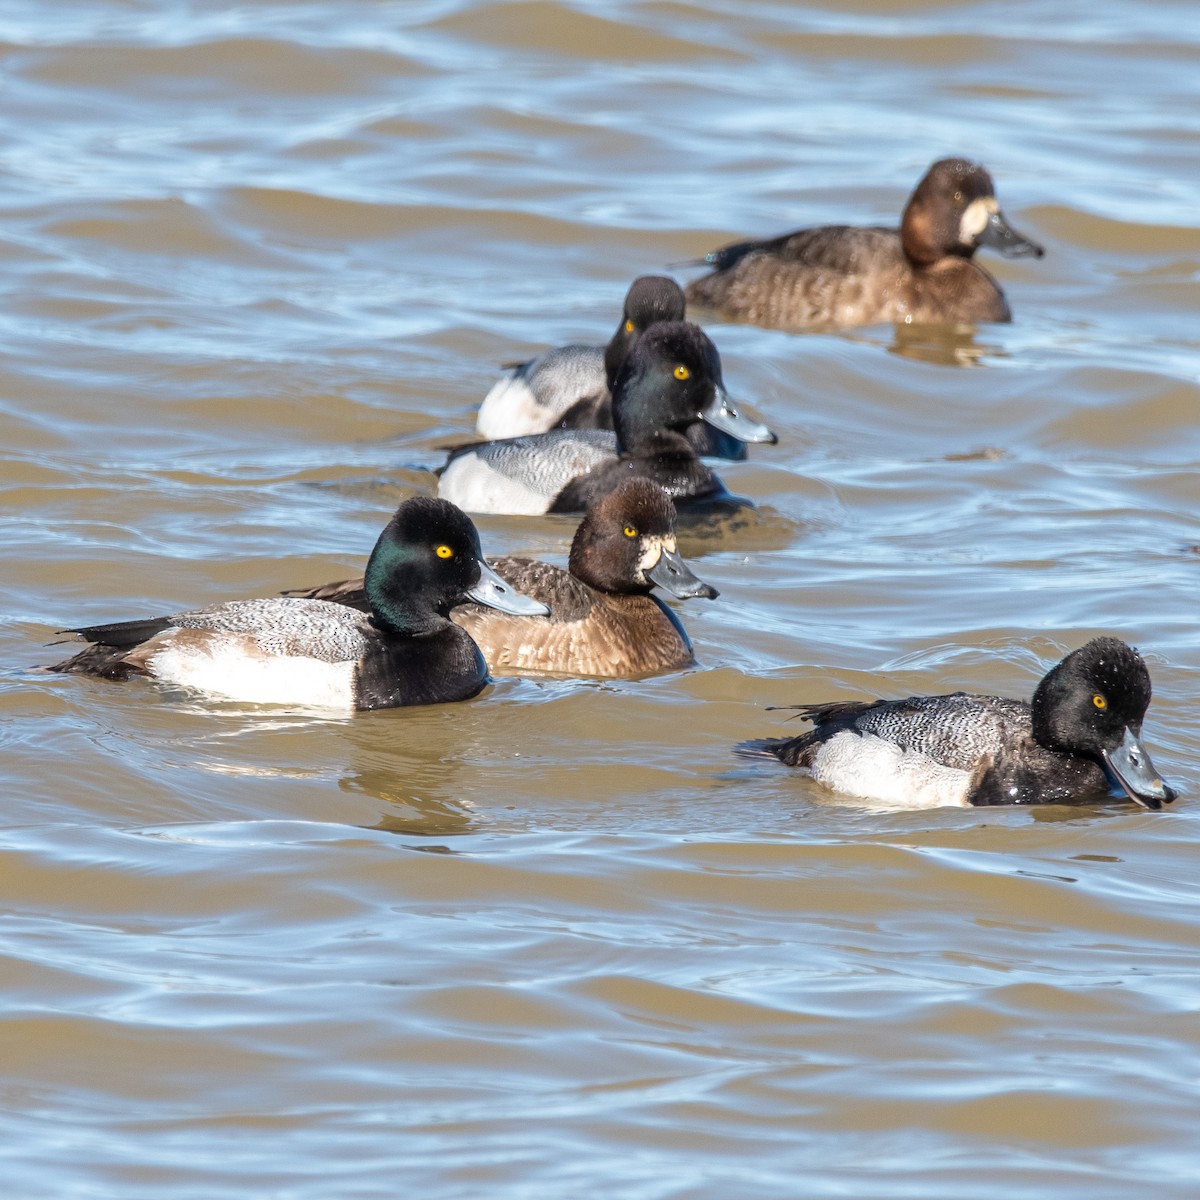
(123, 635)
(110, 644)
(761, 747)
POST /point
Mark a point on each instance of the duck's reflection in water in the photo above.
(416, 795)
(943, 345)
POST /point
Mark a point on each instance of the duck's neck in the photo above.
(615, 354)
(1042, 708)
(627, 401)
(643, 443)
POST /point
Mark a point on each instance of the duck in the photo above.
(603, 621)
(846, 275)
(404, 651)
(570, 387)
(670, 381)
(1078, 740)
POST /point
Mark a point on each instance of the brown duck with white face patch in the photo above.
(841, 275)
(603, 619)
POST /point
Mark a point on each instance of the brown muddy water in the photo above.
(261, 260)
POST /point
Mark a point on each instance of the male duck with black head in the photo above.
(842, 275)
(670, 382)
(570, 387)
(1078, 740)
(603, 619)
(278, 650)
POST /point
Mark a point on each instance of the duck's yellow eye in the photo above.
(630, 531)
(444, 551)
(958, 197)
(1100, 702)
(681, 372)
(628, 326)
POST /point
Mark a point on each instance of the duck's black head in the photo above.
(1093, 703)
(650, 299)
(953, 210)
(626, 544)
(425, 562)
(672, 379)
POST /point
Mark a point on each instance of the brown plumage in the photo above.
(603, 620)
(841, 275)
(588, 631)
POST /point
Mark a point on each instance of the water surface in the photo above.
(261, 263)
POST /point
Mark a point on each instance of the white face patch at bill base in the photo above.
(652, 551)
(975, 218)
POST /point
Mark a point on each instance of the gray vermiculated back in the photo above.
(956, 730)
(284, 625)
(546, 462)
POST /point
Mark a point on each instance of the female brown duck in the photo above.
(923, 272)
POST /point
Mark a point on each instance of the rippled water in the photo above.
(261, 261)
